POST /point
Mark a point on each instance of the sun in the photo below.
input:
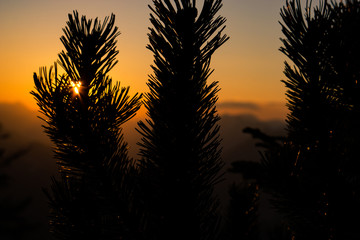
(76, 86)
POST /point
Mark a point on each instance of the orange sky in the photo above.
(249, 66)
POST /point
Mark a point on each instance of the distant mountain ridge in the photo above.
(24, 128)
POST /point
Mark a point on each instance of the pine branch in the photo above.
(180, 139)
(83, 112)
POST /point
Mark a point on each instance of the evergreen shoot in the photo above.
(180, 145)
(83, 111)
(320, 193)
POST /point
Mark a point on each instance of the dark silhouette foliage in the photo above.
(242, 212)
(314, 173)
(83, 111)
(13, 224)
(180, 139)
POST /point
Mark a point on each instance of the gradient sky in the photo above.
(249, 66)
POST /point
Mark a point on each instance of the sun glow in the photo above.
(76, 86)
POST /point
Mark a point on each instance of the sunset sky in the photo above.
(249, 66)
